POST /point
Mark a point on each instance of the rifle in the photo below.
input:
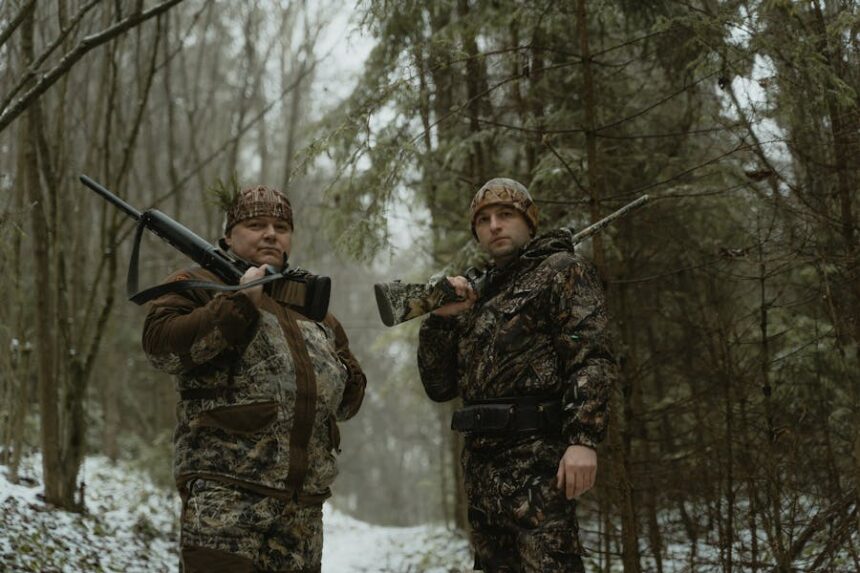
(399, 302)
(295, 286)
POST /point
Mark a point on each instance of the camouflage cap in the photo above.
(504, 191)
(259, 201)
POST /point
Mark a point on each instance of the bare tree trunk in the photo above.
(442, 78)
(595, 175)
(474, 73)
(619, 401)
(606, 552)
(245, 97)
(45, 345)
(727, 532)
(82, 368)
(19, 404)
(16, 386)
(844, 127)
(292, 118)
(773, 478)
(536, 73)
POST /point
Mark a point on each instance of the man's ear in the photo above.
(227, 240)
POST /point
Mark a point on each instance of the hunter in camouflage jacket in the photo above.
(260, 390)
(539, 328)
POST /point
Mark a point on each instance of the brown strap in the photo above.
(306, 398)
(303, 499)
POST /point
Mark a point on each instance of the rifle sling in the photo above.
(152, 293)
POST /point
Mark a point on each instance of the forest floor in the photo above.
(130, 526)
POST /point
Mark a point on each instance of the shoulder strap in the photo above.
(144, 296)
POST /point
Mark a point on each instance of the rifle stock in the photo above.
(398, 301)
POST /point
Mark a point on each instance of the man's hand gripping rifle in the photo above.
(307, 292)
(399, 302)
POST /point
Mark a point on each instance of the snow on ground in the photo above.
(352, 545)
(130, 527)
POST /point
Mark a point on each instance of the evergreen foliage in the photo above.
(735, 294)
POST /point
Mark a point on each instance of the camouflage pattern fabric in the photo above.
(538, 329)
(398, 302)
(520, 521)
(259, 201)
(261, 391)
(264, 533)
(502, 190)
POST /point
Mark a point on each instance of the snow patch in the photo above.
(131, 527)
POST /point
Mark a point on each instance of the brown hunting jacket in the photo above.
(260, 390)
(539, 328)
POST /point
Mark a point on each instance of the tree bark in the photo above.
(619, 402)
(474, 73)
(45, 341)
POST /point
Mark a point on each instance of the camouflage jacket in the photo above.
(538, 328)
(260, 390)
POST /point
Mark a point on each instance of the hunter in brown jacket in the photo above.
(261, 388)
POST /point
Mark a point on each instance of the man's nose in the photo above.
(269, 231)
(495, 223)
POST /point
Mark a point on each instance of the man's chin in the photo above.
(273, 260)
(503, 250)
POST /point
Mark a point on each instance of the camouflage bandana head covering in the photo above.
(504, 191)
(259, 201)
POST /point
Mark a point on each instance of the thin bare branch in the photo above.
(70, 59)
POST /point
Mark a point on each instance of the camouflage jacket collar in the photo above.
(555, 241)
(535, 251)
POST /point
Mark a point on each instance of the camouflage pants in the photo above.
(520, 521)
(229, 529)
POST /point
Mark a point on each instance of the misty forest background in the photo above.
(735, 294)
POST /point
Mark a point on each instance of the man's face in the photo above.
(261, 240)
(502, 231)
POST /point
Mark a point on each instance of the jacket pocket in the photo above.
(244, 419)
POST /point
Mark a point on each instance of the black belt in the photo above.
(501, 416)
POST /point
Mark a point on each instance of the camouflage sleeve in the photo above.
(356, 381)
(186, 329)
(437, 357)
(582, 343)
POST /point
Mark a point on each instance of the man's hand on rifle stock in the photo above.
(465, 291)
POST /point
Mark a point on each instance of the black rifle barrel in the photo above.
(122, 205)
